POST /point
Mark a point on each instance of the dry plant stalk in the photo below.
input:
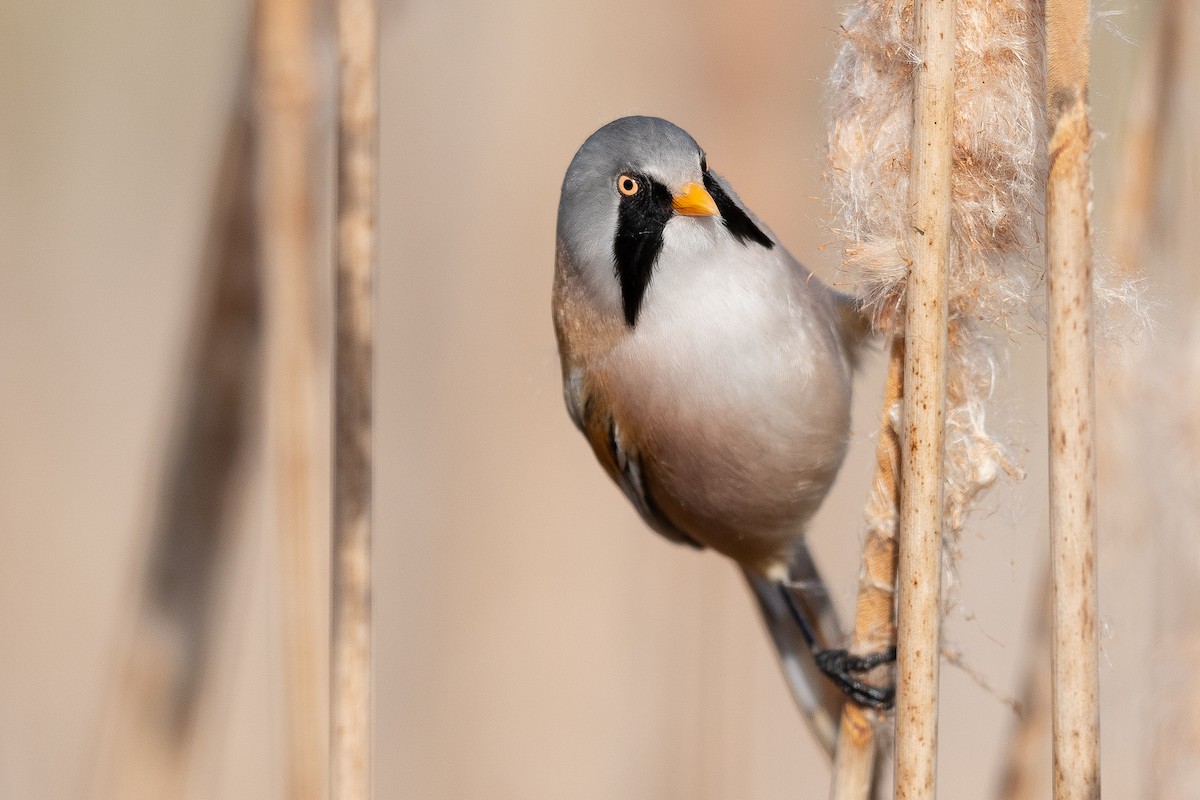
(1145, 420)
(350, 652)
(857, 755)
(996, 200)
(994, 135)
(1157, 418)
(1144, 132)
(1025, 773)
(922, 433)
(1076, 716)
(151, 723)
(285, 75)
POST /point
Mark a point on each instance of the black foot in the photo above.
(840, 666)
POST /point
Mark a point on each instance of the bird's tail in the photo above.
(799, 615)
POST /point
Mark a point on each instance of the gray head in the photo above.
(628, 181)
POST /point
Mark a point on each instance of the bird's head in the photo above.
(637, 188)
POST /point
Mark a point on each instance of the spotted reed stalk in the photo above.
(993, 148)
(1075, 654)
(922, 431)
(357, 145)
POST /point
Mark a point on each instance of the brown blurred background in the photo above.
(533, 639)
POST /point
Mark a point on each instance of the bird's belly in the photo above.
(739, 442)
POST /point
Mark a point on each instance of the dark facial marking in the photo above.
(641, 218)
(737, 221)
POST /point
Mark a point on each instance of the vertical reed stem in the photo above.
(155, 711)
(350, 669)
(922, 436)
(1072, 406)
(286, 98)
(874, 618)
(1145, 131)
(1025, 772)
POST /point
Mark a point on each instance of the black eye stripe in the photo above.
(641, 219)
(737, 221)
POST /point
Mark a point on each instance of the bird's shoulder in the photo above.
(585, 332)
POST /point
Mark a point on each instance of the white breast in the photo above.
(738, 382)
(732, 324)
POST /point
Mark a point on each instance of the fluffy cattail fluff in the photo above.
(997, 198)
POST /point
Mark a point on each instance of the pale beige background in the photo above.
(534, 641)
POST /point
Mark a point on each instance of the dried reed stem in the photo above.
(286, 97)
(1025, 773)
(874, 618)
(922, 438)
(1072, 406)
(1159, 415)
(153, 714)
(1145, 130)
(350, 669)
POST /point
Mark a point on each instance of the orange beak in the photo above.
(695, 202)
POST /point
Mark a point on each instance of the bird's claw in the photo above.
(841, 666)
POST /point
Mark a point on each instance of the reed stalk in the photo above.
(350, 652)
(922, 438)
(1145, 132)
(1157, 413)
(1147, 126)
(1025, 771)
(857, 755)
(286, 91)
(147, 748)
(1075, 653)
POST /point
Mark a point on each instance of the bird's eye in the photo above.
(627, 186)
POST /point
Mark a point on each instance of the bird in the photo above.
(711, 374)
